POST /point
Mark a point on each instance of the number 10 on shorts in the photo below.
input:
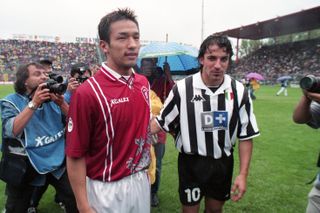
(193, 195)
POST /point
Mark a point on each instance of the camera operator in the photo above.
(55, 85)
(79, 73)
(33, 140)
(308, 112)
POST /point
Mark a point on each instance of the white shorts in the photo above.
(130, 194)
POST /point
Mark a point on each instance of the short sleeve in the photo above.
(79, 123)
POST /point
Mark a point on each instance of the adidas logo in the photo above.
(197, 98)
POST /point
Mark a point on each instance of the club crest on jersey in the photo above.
(217, 120)
(197, 97)
(70, 124)
(145, 94)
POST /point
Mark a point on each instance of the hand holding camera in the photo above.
(41, 95)
(73, 84)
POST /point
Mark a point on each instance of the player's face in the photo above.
(215, 62)
(123, 48)
(36, 76)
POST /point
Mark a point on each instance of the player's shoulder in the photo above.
(141, 78)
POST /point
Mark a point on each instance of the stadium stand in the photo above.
(295, 59)
(15, 52)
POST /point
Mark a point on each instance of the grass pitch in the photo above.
(283, 161)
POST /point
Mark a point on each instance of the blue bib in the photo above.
(43, 135)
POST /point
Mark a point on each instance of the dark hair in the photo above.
(220, 40)
(45, 62)
(107, 20)
(22, 75)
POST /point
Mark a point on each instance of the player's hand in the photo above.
(239, 188)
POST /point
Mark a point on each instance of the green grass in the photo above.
(283, 160)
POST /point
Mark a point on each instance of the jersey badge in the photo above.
(145, 94)
(70, 124)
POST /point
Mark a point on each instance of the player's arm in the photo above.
(76, 168)
(239, 185)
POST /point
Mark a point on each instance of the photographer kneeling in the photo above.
(33, 139)
(308, 112)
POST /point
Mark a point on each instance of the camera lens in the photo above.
(306, 82)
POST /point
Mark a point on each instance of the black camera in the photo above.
(81, 70)
(55, 85)
(310, 83)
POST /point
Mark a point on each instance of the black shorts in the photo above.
(204, 176)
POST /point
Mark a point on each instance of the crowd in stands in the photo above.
(15, 52)
(295, 59)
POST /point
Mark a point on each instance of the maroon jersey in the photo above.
(108, 124)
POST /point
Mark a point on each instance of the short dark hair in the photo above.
(220, 40)
(45, 62)
(117, 15)
(22, 75)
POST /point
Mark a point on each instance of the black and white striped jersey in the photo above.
(207, 123)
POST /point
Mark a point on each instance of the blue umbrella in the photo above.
(284, 78)
(180, 57)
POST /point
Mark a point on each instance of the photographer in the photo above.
(308, 112)
(79, 73)
(33, 140)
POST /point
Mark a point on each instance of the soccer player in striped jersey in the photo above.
(207, 112)
(108, 148)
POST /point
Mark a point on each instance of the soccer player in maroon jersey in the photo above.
(108, 148)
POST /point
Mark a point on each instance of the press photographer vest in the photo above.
(43, 135)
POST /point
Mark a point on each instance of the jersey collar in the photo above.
(114, 73)
(198, 83)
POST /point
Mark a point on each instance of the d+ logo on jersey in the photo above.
(217, 120)
(197, 98)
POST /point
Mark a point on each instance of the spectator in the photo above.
(284, 85)
(161, 83)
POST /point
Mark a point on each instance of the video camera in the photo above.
(310, 83)
(55, 85)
